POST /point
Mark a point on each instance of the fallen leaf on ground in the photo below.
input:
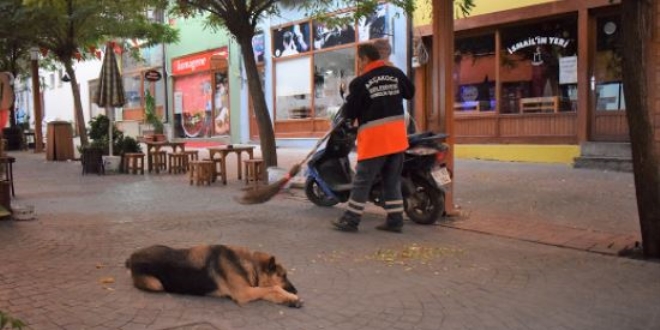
(107, 280)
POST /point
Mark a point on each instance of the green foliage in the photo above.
(150, 113)
(72, 28)
(128, 144)
(10, 322)
(68, 26)
(98, 132)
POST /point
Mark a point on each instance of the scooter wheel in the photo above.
(316, 195)
(424, 205)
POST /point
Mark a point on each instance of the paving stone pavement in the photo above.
(65, 270)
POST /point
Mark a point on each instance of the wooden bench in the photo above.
(467, 106)
(539, 104)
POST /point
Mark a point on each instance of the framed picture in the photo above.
(291, 40)
(326, 36)
(374, 26)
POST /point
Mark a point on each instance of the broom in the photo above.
(262, 195)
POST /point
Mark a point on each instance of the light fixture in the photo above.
(609, 28)
(34, 53)
(66, 78)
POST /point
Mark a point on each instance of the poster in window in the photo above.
(374, 26)
(568, 70)
(291, 40)
(221, 101)
(178, 103)
(195, 91)
(258, 46)
(326, 35)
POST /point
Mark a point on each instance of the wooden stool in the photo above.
(8, 171)
(219, 169)
(201, 172)
(159, 161)
(178, 162)
(190, 156)
(254, 168)
(134, 162)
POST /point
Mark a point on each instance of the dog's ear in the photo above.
(272, 265)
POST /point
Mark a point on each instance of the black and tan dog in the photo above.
(217, 270)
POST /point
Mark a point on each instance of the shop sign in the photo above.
(152, 75)
(538, 41)
(197, 62)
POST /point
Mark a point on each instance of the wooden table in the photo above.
(224, 151)
(153, 147)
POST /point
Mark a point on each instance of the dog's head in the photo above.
(273, 274)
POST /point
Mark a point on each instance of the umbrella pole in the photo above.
(110, 112)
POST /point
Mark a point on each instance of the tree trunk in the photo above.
(637, 38)
(266, 133)
(80, 118)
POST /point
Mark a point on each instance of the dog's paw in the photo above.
(296, 303)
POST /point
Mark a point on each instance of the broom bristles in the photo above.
(261, 195)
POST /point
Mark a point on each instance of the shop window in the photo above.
(291, 40)
(607, 69)
(332, 70)
(133, 90)
(538, 67)
(293, 89)
(474, 73)
(331, 36)
(193, 93)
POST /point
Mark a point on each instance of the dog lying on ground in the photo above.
(217, 270)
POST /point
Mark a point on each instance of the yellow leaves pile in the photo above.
(414, 254)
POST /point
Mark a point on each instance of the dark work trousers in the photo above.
(389, 167)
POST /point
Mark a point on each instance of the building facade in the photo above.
(533, 80)
(304, 62)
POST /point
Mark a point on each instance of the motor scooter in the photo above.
(424, 177)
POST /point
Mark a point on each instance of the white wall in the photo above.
(58, 96)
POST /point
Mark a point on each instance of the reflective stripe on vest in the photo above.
(382, 137)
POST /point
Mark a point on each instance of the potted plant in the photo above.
(153, 119)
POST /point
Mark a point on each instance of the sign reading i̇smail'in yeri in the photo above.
(538, 41)
(197, 62)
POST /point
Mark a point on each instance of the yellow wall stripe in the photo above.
(563, 154)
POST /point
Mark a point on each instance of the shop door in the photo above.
(608, 109)
(254, 127)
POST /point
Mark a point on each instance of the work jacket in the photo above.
(376, 100)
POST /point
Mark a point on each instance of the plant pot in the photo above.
(160, 137)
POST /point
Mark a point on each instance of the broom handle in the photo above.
(318, 144)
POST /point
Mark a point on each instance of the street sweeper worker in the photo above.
(375, 101)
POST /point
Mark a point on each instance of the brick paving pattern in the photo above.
(65, 270)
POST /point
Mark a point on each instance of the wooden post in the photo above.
(584, 111)
(442, 79)
(36, 97)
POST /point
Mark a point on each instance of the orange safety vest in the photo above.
(383, 136)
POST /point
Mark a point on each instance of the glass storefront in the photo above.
(537, 69)
(311, 68)
(201, 95)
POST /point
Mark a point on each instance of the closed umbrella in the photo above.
(110, 93)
